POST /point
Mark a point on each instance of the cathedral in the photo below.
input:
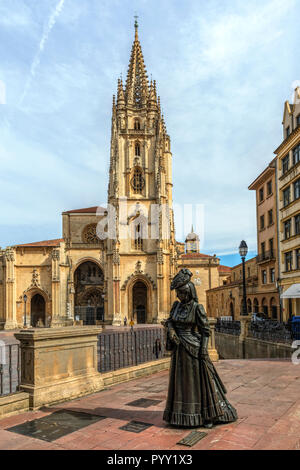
(112, 264)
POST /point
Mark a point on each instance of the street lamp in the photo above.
(243, 250)
(25, 300)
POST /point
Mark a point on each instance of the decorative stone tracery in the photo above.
(89, 234)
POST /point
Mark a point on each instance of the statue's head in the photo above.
(184, 287)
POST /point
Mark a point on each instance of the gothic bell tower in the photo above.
(141, 256)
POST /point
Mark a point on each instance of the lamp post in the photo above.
(25, 300)
(278, 285)
(243, 250)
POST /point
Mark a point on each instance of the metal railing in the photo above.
(131, 347)
(265, 256)
(228, 327)
(10, 368)
(270, 330)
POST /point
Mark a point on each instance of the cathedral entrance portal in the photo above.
(89, 298)
(139, 299)
(38, 311)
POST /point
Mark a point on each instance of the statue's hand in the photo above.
(174, 337)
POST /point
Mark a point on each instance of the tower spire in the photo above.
(137, 80)
(136, 26)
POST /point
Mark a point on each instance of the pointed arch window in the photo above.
(137, 150)
(137, 125)
(138, 240)
(137, 181)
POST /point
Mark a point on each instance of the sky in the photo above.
(224, 69)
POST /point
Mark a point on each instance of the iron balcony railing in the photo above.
(9, 368)
(271, 330)
(130, 347)
(228, 327)
(265, 256)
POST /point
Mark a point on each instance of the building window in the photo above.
(137, 181)
(286, 196)
(285, 164)
(263, 249)
(264, 276)
(297, 189)
(137, 150)
(287, 131)
(296, 154)
(272, 275)
(262, 222)
(288, 257)
(261, 194)
(297, 224)
(287, 229)
(298, 258)
(269, 188)
(137, 125)
(270, 215)
(248, 272)
(298, 120)
(138, 242)
(271, 245)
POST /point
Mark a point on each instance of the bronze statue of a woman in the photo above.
(196, 394)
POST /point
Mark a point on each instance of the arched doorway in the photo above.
(249, 306)
(89, 298)
(265, 307)
(231, 310)
(273, 309)
(139, 302)
(38, 311)
(255, 306)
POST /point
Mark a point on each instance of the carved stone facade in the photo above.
(128, 273)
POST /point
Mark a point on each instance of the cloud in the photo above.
(36, 61)
(223, 72)
(15, 15)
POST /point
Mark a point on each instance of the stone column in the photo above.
(117, 320)
(59, 364)
(10, 287)
(213, 353)
(56, 304)
(245, 324)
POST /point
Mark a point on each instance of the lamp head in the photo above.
(243, 249)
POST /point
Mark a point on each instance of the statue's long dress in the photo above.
(196, 393)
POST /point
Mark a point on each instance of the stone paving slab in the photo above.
(266, 394)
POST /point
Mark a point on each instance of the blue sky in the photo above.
(223, 71)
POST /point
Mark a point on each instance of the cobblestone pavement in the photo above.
(266, 394)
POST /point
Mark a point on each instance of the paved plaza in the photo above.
(266, 394)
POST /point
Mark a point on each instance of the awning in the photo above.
(292, 292)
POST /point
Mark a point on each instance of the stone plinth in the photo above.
(58, 364)
(213, 353)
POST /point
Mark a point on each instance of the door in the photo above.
(141, 314)
(38, 311)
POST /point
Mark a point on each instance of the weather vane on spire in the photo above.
(136, 22)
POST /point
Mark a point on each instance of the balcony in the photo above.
(265, 256)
